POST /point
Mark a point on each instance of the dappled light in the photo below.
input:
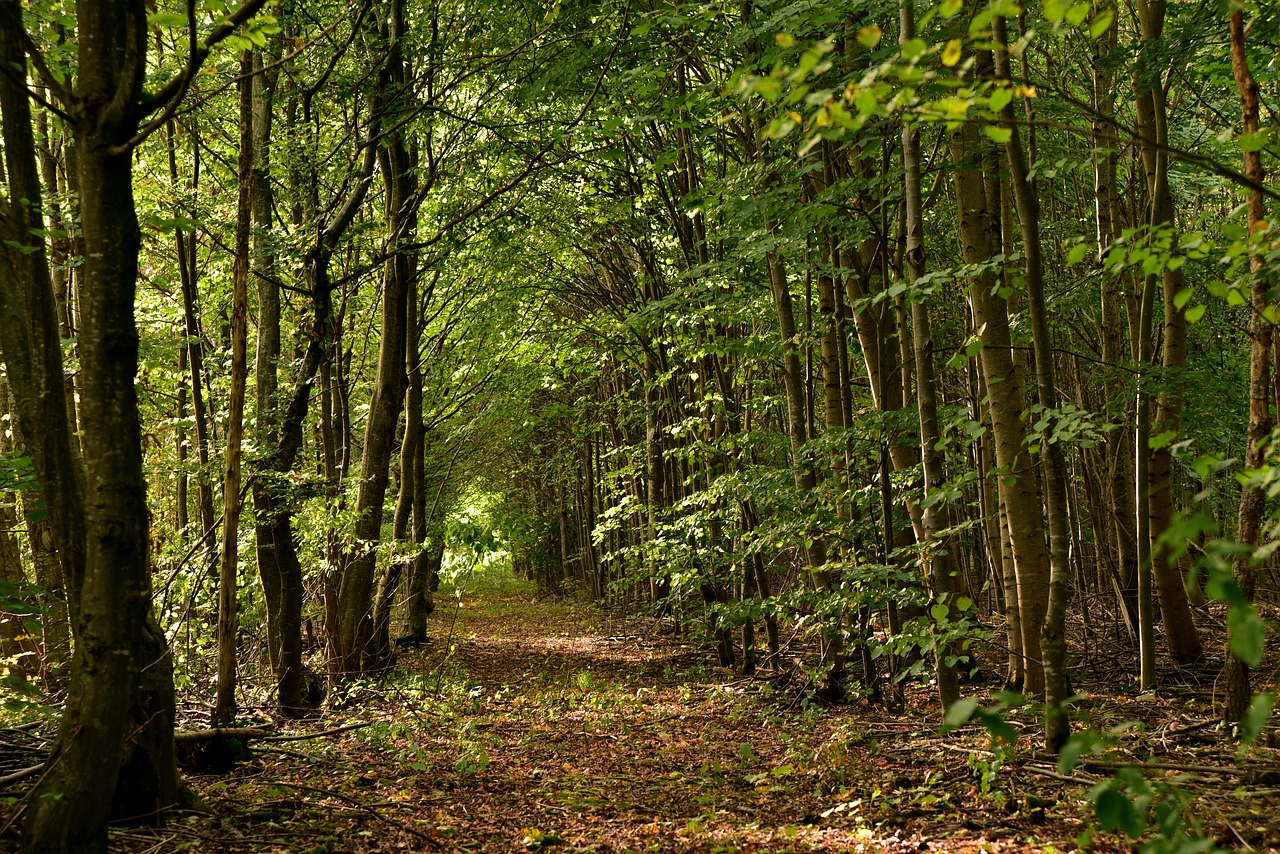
(639, 425)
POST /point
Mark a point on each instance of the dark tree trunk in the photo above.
(113, 755)
(352, 639)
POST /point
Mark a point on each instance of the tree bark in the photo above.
(224, 707)
(935, 516)
(352, 639)
(1252, 497)
(1004, 387)
(267, 357)
(113, 755)
(1053, 640)
(1157, 491)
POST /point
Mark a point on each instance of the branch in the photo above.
(172, 93)
(1219, 169)
(310, 735)
(17, 776)
(355, 803)
(29, 47)
(218, 732)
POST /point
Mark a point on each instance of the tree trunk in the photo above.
(194, 346)
(1157, 490)
(113, 755)
(1253, 496)
(793, 383)
(267, 357)
(352, 641)
(1004, 387)
(935, 516)
(1119, 456)
(224, 706)
(1053, 640)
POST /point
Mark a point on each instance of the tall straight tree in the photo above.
(351, 640)
(1261, 331)
(1020, 491)
(1154, 489)
(224, 708)
(1053, 641)
(934, 515)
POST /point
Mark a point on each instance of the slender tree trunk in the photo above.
(267, 357)
(935, 515)
(1004, 387)
(1120, 480)
(1053, 641)
(1252, 496)
(411, 474)
(793, 383)
(353, 642)
(224, 707)
(1157, 490)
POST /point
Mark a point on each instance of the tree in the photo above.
(113, 757)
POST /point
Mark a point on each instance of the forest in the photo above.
(639, 425)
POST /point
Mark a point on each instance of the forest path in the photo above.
(532, 724)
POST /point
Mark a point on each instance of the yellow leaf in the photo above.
(869, 36)
(1026, 91)
(951, 53)
(795, 117)
(784, 39)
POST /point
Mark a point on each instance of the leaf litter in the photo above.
(554, 726)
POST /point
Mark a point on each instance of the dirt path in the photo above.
(531, 725)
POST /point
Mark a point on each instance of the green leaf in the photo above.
(1000, 98)
(998, 134)
(1077, 253)
(1115, 812)
(1077, 13)
(1254, 720)
(939, 612)
(1195, 313)
(950, 8)
(914, 48)
(768, 88)
(866, 103)
(1161, 440)
(1055, 10)
(167, 19)
(999, 728)
(1253, 141)
(951, 53)
(869, 36)
(1180, 299)
(1101, 23)
(960, 713)
(1069, 755)
(1248, 635)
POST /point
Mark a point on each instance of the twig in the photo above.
(391, 821)
(321, 734)
(285, 751)
(219, 732)
(22, 727)
(1222, 770)
(21, 775)
(1232, 828)
(1069, 778)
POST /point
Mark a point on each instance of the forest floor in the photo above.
(532, 724)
